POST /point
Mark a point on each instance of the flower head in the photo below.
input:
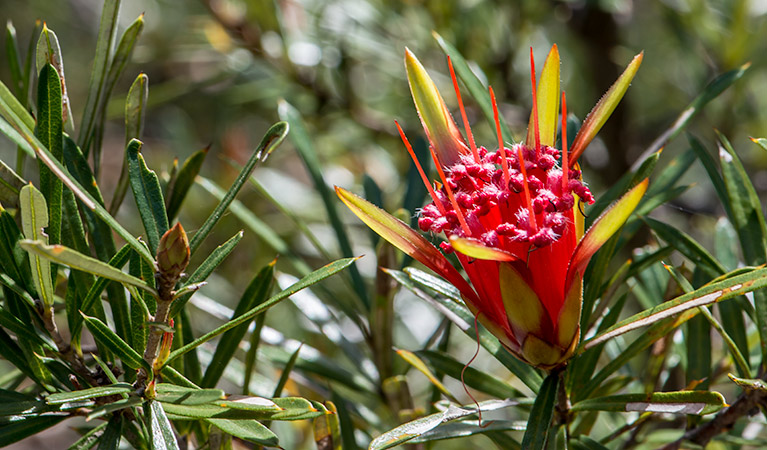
(511, 215)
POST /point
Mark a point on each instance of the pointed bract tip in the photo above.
(440, 128)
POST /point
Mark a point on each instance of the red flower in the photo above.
(511, 215)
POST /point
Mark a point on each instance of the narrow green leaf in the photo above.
(710, 92)
(49, 131)
(680, 402)
(160, 431)
(249, 430)
(110, 440)
(180, 395)
(100, 391)
(10, 186)
(103, 410)
(205, 269)
(120, 58)
(476, 88)
(23, 331)
(148, 195)
(255, 294)
(711, 293)
(749, 222)
(285, 375)
(113, 342)
(687, 246)
(314, 277)
(14, 61)
(540, 416)
(89, 440)
(20, 429)
(135, 111)
(273, 137)
(725, 248)
(76, 260)
(180, 187)
(99, 70)
(49, 52)
(248, 408)
(418, 427)
(34, 217)
(300, 138)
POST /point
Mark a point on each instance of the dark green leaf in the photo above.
(248, 430)
(687, 246)
(89, 439)
(110, 440)
(100, 391)
(285, 375)
(680, 402)
(184, 180)
(312, 278)
(103, 410)
(540, 416)
(748, 219)
(49, 132)
(135, 112)
(148, 195)
(112, 341)
(273, 137)
(15, 431)
(160, 431)
(180, 395)
(101, 62)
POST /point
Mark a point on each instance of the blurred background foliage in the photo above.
(219, 69)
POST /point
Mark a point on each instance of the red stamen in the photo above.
(425, 179)
(463, 113)
(535, 105)
(528, 200)
(501, 147)
(450, 195)
(565, 166)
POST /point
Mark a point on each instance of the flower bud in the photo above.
(172, 255)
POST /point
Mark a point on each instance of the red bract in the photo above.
(512, 216)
